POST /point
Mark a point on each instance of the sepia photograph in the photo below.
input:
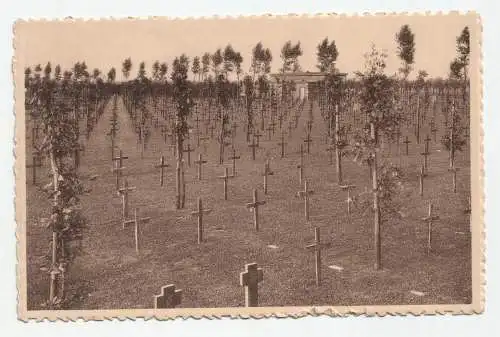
(252, 165)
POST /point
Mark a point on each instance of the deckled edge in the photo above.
(477, 307)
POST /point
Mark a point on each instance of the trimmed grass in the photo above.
(110, 275)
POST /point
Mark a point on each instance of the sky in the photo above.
(106, 43)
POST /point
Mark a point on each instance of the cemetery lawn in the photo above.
(110, 275)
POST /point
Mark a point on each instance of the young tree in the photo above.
(249, 96)
(406, 49)
(155, 70)
(196, 67)
(261, 60)
(217, 60)
(111, 75)
(57, 73)
(326, 54)
(377, 103)
(205, 62)
(228, 57)
(47, 71)
(463, 50)
(184, 103)
(454, 141)
(58, 145)
(163, 71)
(127, 67)
(290, 57)
(222, 88)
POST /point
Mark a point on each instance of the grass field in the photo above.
(110, 275)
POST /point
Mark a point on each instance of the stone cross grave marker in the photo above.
(317, 246)
(225, 177)
(200, 162)
(348, 188)
(188, 150)
(255, 207)
(253, 146)
(308, 141)
(267, 172)
(250, 279)
(36, 162)
(169, 297)
(199, 213)
(301, 165)
(406, 142)
(305, 195)
(426, 153)
(118, 167)
(233, 158)
(124, 191)
(162, 166)
(429, 219)
(136, 221)
(282, 144)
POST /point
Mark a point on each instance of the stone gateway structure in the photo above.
(305, 83)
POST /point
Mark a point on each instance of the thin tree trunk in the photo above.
(376, 205)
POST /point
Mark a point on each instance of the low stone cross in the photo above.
(316, 247)
(200, 162)
(255, 207)
(305, 195)
(136, 221)
(250, 279)
(169, 297)
(199, 213)
(162, 166)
